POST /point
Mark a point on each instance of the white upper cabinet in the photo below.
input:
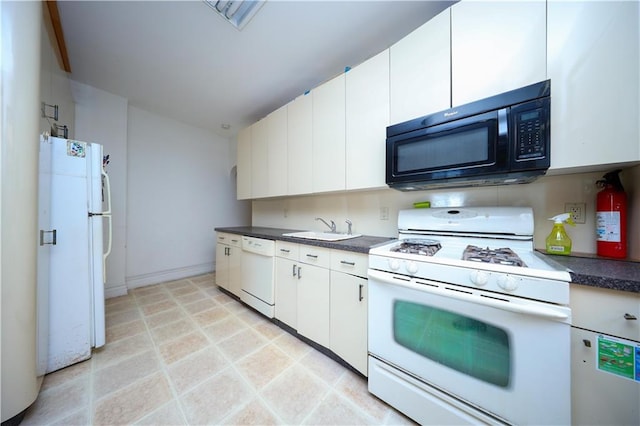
(244, 166)
(299, 153)
(420, 71)
(496, 46)
(328, 154)
(367, 112)
(593, 66)
(259, 162)
(277, 152)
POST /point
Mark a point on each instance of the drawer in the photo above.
(313, 255)
(287, 250)
(350, 262)
(231, 239)
(606, 311)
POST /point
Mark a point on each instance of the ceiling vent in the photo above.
(237, 12)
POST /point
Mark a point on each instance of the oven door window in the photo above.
(465, 344)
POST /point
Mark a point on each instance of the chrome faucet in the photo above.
(349, 224)
(332, 226)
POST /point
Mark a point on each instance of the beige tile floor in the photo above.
(183, 352)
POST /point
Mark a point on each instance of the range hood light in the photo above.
(237, 12)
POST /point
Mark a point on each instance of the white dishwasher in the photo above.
(258, 274)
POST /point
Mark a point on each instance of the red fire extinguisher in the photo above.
(611, 217)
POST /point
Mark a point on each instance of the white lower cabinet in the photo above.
(605, 343)
(322, 294)
(228, 252)
(349, 319)
(287, 276)
(313, 294)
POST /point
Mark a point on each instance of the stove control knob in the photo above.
(412, 267)
(394, 264)
(507, 282)
(479, 278)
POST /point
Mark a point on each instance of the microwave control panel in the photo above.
(531, 134)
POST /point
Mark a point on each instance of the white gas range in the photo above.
(467, 322)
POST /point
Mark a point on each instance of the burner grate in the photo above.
(500, 256)
(421, 247)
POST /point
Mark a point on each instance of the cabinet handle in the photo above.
(226, 251)
(313, 256)
(299, 275)
(344, 262)
(285, 250)
(587, 342)
(360, 292)
(630, 317)
(294, 270)
(234, 241)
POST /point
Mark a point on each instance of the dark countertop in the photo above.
(594, 271)
(359, 244)
(588, 270)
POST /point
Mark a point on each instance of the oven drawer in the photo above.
(350, 262)
(606, 311)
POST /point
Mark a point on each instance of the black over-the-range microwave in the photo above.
(499, 140)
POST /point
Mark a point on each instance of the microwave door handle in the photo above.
(537, 311)
(503, 126)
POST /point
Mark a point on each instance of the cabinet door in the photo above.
(367, 118)
(287, 291)
(313, 304)
(329, 135)
(300, 139)
(349, 319)
(277, 151)
(259, 159)
(593, 58)
(606, 311)
(599, 397)
(496, 47)
(234, 280)
(420, 71)
(244, 166)
(222, 265)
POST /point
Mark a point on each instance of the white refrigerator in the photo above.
(74, 242)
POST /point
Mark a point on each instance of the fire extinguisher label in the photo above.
(608, 226)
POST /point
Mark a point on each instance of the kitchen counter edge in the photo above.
(585, 270)
(360, 244)
(592, 271)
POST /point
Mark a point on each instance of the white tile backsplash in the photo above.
(546, 196)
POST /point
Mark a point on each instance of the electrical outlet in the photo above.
(384, 213)
(578, 211)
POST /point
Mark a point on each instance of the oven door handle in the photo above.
(504, 305)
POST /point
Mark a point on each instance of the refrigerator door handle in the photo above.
(107, 213)
(53, 239)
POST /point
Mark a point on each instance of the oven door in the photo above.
(508, 356)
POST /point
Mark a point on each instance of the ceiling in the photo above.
(181, 60)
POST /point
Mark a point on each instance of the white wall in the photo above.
(546, 196)
(101, 117)
(180, 186)
(55, 86)
(171, 184)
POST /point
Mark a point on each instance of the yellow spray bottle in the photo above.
(558, 242)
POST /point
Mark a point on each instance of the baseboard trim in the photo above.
(115, 291)
(168, 275)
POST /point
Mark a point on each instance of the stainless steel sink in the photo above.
(322, 236)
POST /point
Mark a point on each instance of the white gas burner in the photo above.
(434, 244)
